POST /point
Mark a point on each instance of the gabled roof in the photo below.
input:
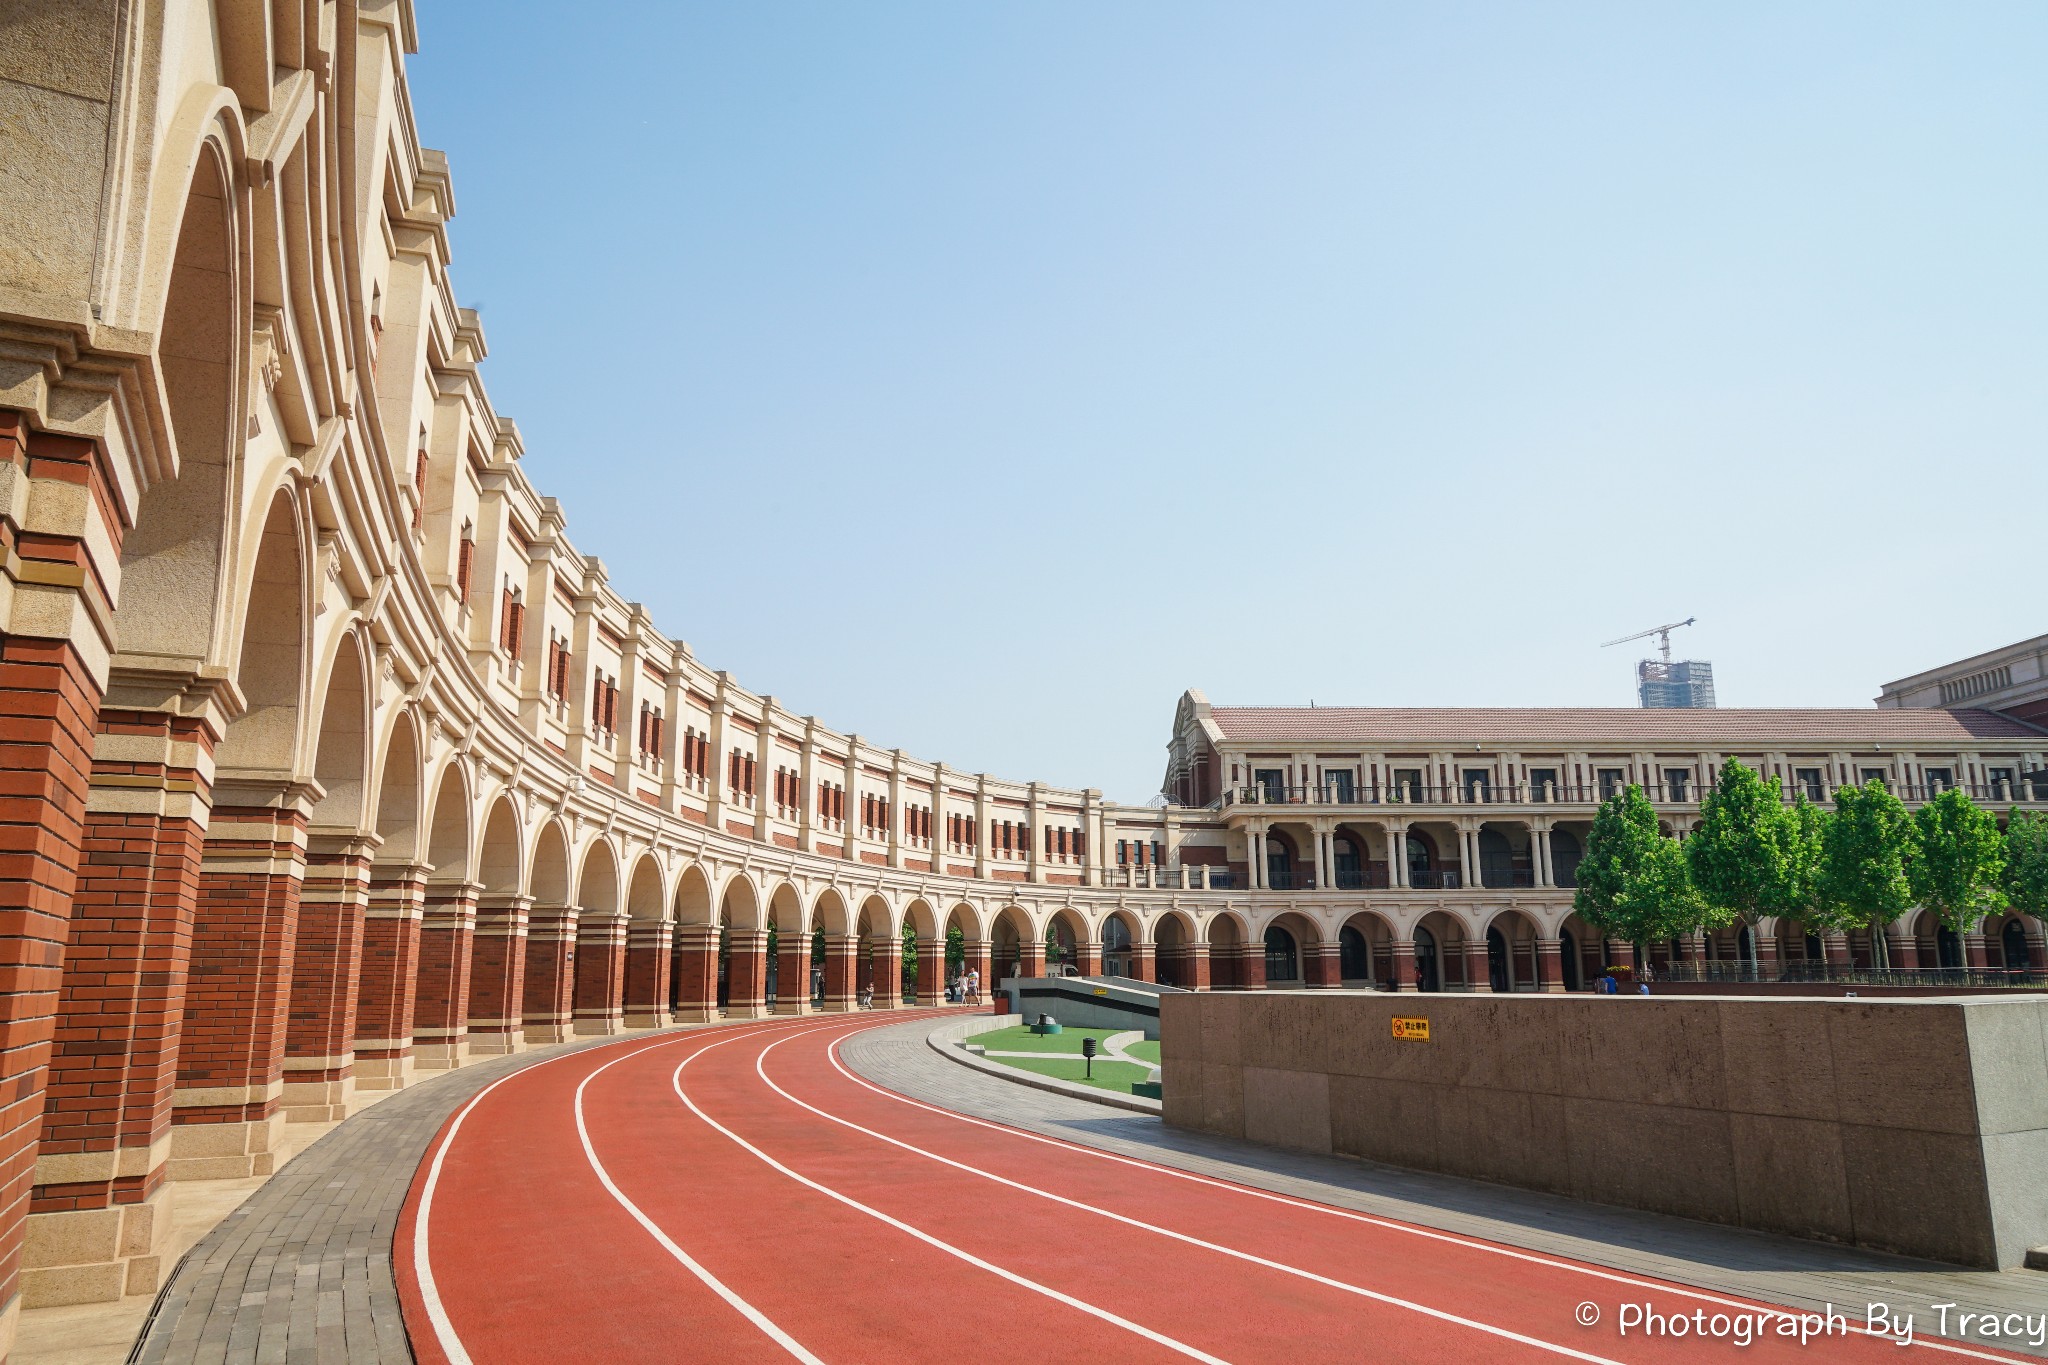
(1721, 729)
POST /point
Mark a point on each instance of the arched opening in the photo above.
(1350, 863)
(1428, 974)
(1354, 954)
(1279, 861)
(1421, 853)
(1948, 946)
(270, 675)
(1226, 941)
(786, 940)
(600, 942)
(1064, 935)
(1283, 957)
(1119, 949)
(1006, 942)
(497, 973)
(2012, 942)
(342, 759)
(549, 988)
(447, 930)
(1497, 859)
(1566, 852)
(1511, 953)
(1172, 948)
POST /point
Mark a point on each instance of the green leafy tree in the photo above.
(1744, 854)
(1633, 882)
(956, 950)
(1054, 954)
(1866, 847)
(1958, 865)
(2026, 862)
(909, 956)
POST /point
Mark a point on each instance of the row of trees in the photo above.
(1860, 865)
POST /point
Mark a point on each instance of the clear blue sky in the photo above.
(978, 376)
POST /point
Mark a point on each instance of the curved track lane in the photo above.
(738, 1194)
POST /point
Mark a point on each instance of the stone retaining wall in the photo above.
(1911, 1125)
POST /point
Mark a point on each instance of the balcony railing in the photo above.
(1831, 973)
(1592, 793)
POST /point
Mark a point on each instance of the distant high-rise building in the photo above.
(1687, 684)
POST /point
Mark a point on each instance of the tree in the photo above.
(1744, 853)
(956, 950)
(2026, 862)
(1633, 882)
(1958, 863)
(1865, 848)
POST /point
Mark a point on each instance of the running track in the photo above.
(736, 1194)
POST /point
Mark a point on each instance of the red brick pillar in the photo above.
(746, 974)
(384, 990)
(1549, 964)
(1088, 959)
(1251, 966)
(696, 967)
(550, 986)
(440, 1018)
(226, 1110)
(840, 950)
(1478, 972)
(62, 537)
(648, 949)
(600, 972)
(886, 963)
(1835, 948)
(1323, 966)
(1766, 957)
(1976, 952)
(1031, 957)
(327, 961)
(931, 971)
(497, 976)
(1195, 966)
(792, 972)
(1144, 962)
(100, 1214)
(1902, 950)
(1404, 964)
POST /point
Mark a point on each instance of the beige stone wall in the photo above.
(1916, 1126)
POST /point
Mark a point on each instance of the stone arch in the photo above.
(1511, 952)
(1290, 940)
(829, 914)
(597, 880)
(499, 856)
(1122, 933)
(448, 827)
(693, 896)
(1440, 958)
(922, 918)
(1226, 935)
(1069, 942)
(271, 668)
(341, 756)
(1580, 951)
(173, 561)
(549, 882)
(1174, 949)
(1010, 942)
(401, 776)
(875, 919)
(964, 917)
(739, 903)
(1365, 948)
(645, 899)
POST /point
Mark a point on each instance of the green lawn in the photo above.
(1063, 1058)
(1022, 1039)
(1148, 1049)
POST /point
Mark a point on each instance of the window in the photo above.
(1940, 780)
(1881, 776)
(512, 624)
(1677, 781)
(2001, 783)
(465, 563)
(1407, 784)
(1808, 780)
(1339, 783)
(1123, 852)
(1272, 783)
(1542, 784)
(1478, 785)
(1612, 780)
(419, 488)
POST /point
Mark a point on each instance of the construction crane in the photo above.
(1663, 634)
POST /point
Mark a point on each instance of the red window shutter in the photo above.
(465, 567)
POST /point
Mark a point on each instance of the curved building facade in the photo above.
(332, 761)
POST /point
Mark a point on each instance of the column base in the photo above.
(792, 1007)
(1553, 988)
(602, 1024)
(96, 1255)
(837, 1007)
(225, 1151)
(322, 1100)
(444, 1053)
(647, 1019)
(496, 1038)
(697, 1014)
(389, 1072)
(541, 1032)
(757, 1010)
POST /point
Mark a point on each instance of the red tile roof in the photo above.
(1722, 729)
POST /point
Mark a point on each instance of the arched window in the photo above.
(1354, 955)
(1565, 854)
(1499, 966)
(1279, 864)
(1282, 960)
(1350, 869)
(1496, 859)
(1948, 948)
(2019, 956)
(1568, 958)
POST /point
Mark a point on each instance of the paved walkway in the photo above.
(301, 1271)
(1782, 1270)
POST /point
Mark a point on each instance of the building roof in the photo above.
(1723, 728)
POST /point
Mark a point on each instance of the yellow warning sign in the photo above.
(1102, 990)
(1415, 1030)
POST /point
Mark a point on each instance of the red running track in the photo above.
(737, 1194)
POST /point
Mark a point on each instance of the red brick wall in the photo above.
(327, 961)
(497, 974)
(441, 994)
(600, 973)
(391, 946)
(550, 972)
(647, 967)
(238, 986)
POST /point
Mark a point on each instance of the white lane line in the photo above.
(689, 1263)
(676, 1081)
(1413, 1230)
(422, 1257)
(1393, 1301)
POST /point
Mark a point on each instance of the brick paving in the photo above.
(300, 1272)
(1778, 1270)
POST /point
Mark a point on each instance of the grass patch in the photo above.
(1148, 1049)
(1021, 1039)
(1118, 1077)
